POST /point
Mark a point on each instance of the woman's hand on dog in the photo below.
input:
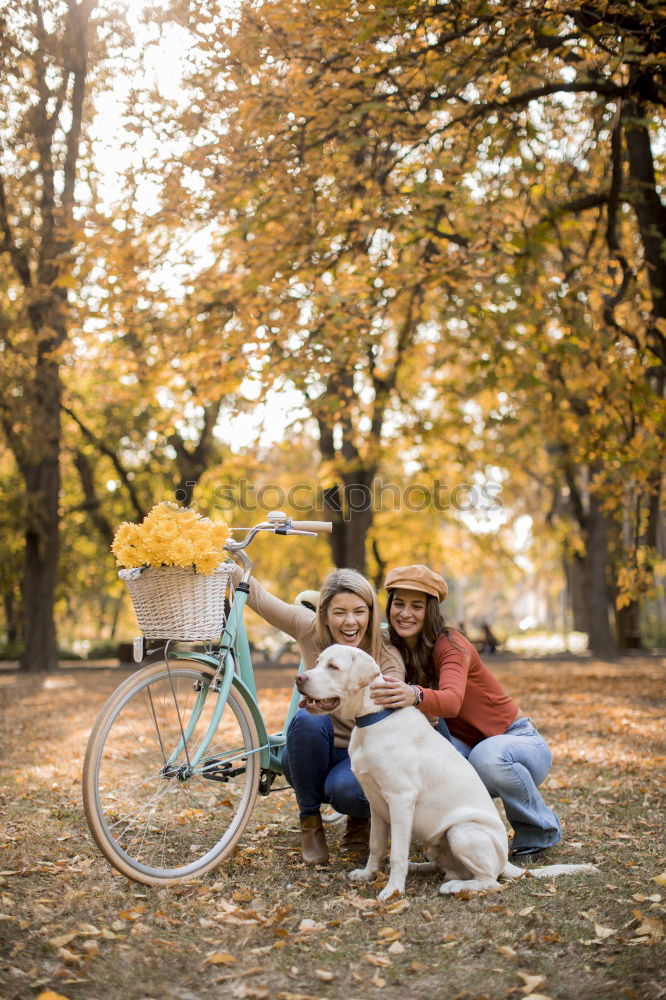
(392, 693)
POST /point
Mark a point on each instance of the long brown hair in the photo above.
(349, 581)
(419, 662)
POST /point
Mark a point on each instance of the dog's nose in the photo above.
(300, 680)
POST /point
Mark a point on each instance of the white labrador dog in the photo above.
(416, 783)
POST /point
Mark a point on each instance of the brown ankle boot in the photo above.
(357, 836)
(313, 840)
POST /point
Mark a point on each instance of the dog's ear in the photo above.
(365, 669)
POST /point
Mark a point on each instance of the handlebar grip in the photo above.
(325, 526)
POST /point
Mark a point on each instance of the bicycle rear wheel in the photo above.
(152, 820)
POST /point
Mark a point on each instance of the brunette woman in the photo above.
(315, 759)
(449, 682)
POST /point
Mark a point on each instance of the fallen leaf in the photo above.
(50, 995)
(399, 906)
(324, 975)
(603, 932)
(220, 958)
(526, 910)
(506, 950)
(660, 879)
(416, 967)
(242, 896)
(531, 982)
(381, 961)
(133, 914)
(389, 934)
(396, 948)
(287, 995)
(69, 957)
(310, 927)
(378, 981)
(245, 974)
(63, 939)
(652, 929)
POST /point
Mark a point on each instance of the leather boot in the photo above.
(313, 840)
(357, 836)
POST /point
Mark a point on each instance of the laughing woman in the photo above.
(449, 681)
(315, 759)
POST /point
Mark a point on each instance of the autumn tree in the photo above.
(51, 56)
(393, 164)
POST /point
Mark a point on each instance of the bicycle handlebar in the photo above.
(323, 526)
(279, 524)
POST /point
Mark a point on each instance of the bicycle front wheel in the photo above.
(155, 817)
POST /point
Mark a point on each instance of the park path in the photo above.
(263, 926)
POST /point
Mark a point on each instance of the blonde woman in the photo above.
(315, 759)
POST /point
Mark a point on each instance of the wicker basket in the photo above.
(175, 603)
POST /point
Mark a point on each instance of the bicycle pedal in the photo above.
(265, 781)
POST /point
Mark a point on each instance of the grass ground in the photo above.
(263, 925)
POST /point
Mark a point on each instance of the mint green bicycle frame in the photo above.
(233, 666)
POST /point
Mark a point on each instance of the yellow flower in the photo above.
(170, 535)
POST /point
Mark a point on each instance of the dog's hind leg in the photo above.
(477, 857)
(379, 831)
(401, 811)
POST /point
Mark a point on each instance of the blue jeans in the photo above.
(511, 766)
(318, 771)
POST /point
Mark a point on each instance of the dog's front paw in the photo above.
(390, 891)
(360, 875)
(453, 887)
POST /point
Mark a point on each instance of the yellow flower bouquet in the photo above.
(171, 535)
(175, 572)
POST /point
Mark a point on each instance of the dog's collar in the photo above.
(369, 720)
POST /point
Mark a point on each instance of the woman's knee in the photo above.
(307, 728)
(492, 765)
(345, 794)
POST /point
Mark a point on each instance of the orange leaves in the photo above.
(220, 958)
(135, 913)
(650, 929)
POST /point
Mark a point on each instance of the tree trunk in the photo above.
(628, 626)
(574, 572)
(11, 618)
(350, 510)
(42, 480)
(193, 462)
(596, 594)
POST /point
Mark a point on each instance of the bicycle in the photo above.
(180, 750)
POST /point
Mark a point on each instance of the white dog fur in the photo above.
(417, 784)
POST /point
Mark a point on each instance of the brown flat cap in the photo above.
(417, 578)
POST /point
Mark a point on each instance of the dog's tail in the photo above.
(548, 871)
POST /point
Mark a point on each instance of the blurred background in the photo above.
(402, 267)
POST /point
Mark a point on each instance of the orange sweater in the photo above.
(469, 697)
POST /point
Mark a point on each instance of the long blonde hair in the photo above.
(349, 581)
